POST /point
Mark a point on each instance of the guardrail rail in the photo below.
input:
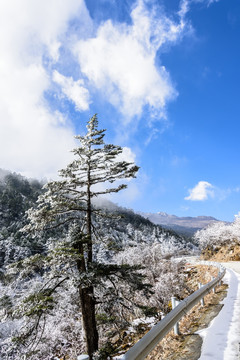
(149, 341)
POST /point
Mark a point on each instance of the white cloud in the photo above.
(73, 90)
(202, 191)
(121, 61)
(209, 2)
(33, 139)
(185, 5)
(184, 8)
(237, 216)
(152, 135)
(127, 155)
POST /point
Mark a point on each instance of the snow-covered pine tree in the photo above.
(70, 201)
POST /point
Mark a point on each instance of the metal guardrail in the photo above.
(149, 341)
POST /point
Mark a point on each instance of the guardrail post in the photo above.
(175, 302)
(214, 289)
(83, 357)
(202, 299)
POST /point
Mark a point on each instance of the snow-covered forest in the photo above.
(130, 239)
(220, 237)
(76, 272)
(18, 194)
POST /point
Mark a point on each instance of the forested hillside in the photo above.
(122, 237)
(18, 194)
(220, 241)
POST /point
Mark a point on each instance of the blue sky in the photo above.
(163, 76)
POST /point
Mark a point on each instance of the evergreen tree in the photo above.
(69, 201)
(17, 195)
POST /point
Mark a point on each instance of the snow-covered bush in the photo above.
(165, 276)
(61, 326)
(218, 234)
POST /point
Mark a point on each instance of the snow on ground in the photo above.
(221, 340)
(151, 321)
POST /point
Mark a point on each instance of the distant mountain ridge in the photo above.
(184, 225)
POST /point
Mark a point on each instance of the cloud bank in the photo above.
(33, 139)
(202, 191)
(73, 90)
(55, 47)
(120, 60)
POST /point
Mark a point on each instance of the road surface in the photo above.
(221, 340)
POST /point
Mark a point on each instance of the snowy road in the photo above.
(221, 340)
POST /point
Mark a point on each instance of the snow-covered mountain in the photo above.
(123, 242)
(184, 225)
(125, 229)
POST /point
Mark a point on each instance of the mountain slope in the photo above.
(132, 230)
(120, 237)
(18, 194)
(183, 225)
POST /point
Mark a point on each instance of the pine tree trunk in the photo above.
(89, 215)
(89, 320)
(88, 307)
(87, 294)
